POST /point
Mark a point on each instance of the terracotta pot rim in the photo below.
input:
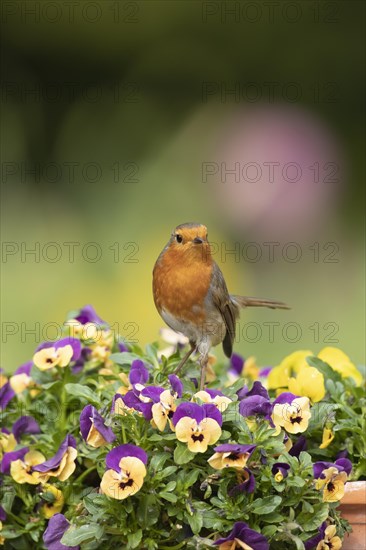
(355, 493)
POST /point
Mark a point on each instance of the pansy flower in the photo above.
(309, 382)
(280, 471)
(246, 484)
(60, 353)
(52, 536)
(162, 412)
(340, 362)
(21, 379)
(62, 464)
(126, 470)
(93, 428)
(242, 537)
(291, 365)
(22, 470)
(7, 442)
(213, 396)
(197, 425)
(231, 455)
(299, 446)
(119, 407)
(331, 478)
(10, 457)
(25, 425)
(291, 412)
(325, 539)
(53, 500)
(327, 438)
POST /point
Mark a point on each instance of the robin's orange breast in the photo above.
(181, 288)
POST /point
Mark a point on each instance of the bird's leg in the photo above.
(204, 361)
(185, 359)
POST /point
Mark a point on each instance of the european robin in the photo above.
(191, 295)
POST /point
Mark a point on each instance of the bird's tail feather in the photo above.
(247, 301)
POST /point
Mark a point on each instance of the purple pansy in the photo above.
(341, 464)
(93, 428)
(87, 314)
(6, 395)
(314, 541)
(247, 486)
(236, 364)
(242, 532)
(114, 456)
(281, 469)
(255, 404)
(300, 445)
(257, 389)
(8, 458)
(25, 425)
(138, 373)
(176, 385)
(52, 536)
(73, 342)
(198, 412)
(54, 462)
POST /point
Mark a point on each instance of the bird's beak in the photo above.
(198, 240)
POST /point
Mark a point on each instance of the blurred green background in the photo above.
(121, 120)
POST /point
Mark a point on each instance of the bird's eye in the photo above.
(179, 238)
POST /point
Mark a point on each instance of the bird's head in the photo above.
(190, 240)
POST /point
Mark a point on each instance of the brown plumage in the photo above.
(191, 295)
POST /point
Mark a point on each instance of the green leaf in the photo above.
(134, 539)
(171, 497)
(182, 454)
(190, 478)
(83, 392)
(195, 522)
(265, 505)
(124, 357)
(76, 535)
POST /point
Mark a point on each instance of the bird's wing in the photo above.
(229, 310)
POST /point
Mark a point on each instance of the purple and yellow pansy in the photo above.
(331, 478)
(126, 470)
(280, 471)
(197, 425)
(244, 538)
(231, 455)
(62, 464)
(57, 354)
(213, 396)
(291, 413)
(93, 428)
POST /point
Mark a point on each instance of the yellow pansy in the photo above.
(328, 436)
(127, 481)
(293, 417)
(221, 401)
(309, 382)
(330, 541)
(341, 363)
(21, 470)
(292, 364)
(51, 357)
(49, 509)
(7, 443)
